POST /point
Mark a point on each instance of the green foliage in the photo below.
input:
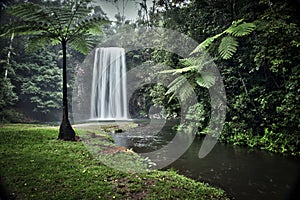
(159, 98)
(39, 82)
(258, 62)
(7, 95)
(206, 43)
(229, 44)
(70, 22)
(228, 47)
(270, 141)
(206, 80)
(7, 99)
(238, 30)
(195, 117)
(180, 87)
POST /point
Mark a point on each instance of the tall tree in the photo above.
(71, 22)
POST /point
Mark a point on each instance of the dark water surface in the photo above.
(244, 173)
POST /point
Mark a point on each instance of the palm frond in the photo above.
(30, 12)
(27, 28)
(55, 42)
(191, 61)
(237, 29)
(227, 47)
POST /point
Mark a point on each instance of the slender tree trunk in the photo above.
(66, 131)
(9, 55)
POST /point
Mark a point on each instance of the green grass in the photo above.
(35, 165)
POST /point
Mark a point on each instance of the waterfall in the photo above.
(109, 92)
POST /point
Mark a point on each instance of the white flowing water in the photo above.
(109, 92)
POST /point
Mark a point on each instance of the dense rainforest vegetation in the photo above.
(260, 70)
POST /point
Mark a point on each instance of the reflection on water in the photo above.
(243, 173)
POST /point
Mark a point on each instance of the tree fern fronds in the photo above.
(237, 22)
(176, 84)
(177, 71)
(191, 61)
(198, 63)
(228, 47)
(36, 42)
(81, 43)
(241, 29)
(30, 12)
(55, 42)
(203, 45)
(93, 24)
(186, 92)
(24, 10)
(180, 87)
(206, 80)
(237, 29)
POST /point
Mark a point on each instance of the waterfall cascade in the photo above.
(109, 92)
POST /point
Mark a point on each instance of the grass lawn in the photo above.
(35, 165)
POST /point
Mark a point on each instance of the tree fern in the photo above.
(198, 63)
(70, 23)
(228, 47)
(203, 45)
(176, 84)
(180, 87)
(237, 29)
(62, 23)
(241, 29)
(82, 44)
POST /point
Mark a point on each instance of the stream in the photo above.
(244, 173)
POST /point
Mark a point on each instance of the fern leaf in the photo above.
(227, 47)
(191, 61)
(176, 84)
(198, 63)
(178, 71)
(55, 42)
(181, 88)
(71, 22)
(241, 29)
(206, 43)
(36, 42)
(206, 80)
(186, 92)
(82, 43)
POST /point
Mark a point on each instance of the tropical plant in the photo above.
(228, 45)
(71, 23)
(200, 62)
